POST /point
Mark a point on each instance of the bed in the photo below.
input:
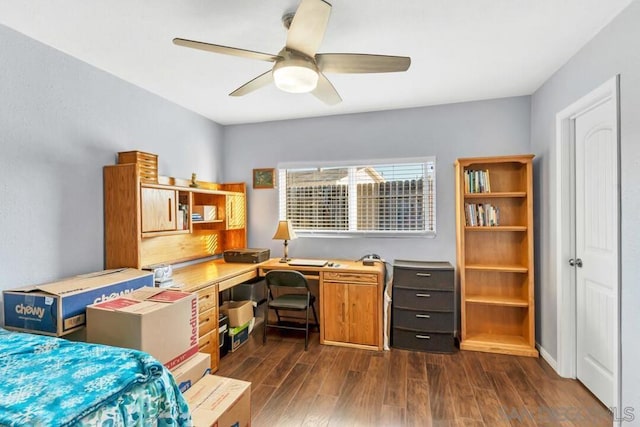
(46, 381)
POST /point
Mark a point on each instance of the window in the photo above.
(370, 197)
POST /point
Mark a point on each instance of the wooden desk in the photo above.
(207, 279)
(351, 297)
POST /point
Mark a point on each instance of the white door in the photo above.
(596, 213)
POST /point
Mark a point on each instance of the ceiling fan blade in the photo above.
(325, 91)
(361, 63)
(255, 84)
(225, 50)
(308, 26)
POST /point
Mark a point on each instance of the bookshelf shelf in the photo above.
(497, 300)
(495, 254)
(498, 268)
(494, 343)
(497, 228)
(509, 194)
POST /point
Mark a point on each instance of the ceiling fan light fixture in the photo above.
(295, 76)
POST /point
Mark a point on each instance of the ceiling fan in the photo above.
(298, 68)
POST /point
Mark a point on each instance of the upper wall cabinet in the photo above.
(163, 210)
(235, 211)
(148, 223)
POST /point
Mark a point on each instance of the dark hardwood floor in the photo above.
(336, 386)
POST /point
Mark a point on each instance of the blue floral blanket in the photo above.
(47, 381)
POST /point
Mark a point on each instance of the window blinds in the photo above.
(371, 198)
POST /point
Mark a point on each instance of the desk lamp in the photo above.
(285, 232)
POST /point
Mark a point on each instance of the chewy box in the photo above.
(161, 322)
(58, 308)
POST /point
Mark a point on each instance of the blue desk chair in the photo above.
(303, 300)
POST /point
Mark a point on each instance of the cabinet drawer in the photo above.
(423, 279)
(207, 298)
(423, 341)
(207, 322)
(423, 320)
(422, 299)
(208, 343)
(350, 277)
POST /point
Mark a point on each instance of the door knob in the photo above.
(579, 262)
(572, 262)
(576, 262)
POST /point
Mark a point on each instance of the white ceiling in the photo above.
(461, 50)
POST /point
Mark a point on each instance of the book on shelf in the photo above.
(481, 215)
(477, 181)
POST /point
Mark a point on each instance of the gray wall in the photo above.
(615, 50)
(496, 127)
(61, 121)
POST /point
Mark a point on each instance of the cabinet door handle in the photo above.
(169, 210)
(343, 313)
(423, 316)
(423, 337)
(423, 274)
(424, 295)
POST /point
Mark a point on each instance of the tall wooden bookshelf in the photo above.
(495, 254)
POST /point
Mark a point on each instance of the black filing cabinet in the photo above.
(423, 302)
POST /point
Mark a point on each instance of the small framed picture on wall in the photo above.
(264, 178)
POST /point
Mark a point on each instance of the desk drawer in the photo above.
(435, 321)
(423, 341)
(207, 322)
(207, 298)
(337, 276)
(208, 343)
(422, 299)
(423, 279)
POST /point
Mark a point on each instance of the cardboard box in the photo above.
(239, 312)
(161, 322)
(191, 370)
(58, 308)
(219, 401)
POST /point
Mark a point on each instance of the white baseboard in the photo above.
(547, 357)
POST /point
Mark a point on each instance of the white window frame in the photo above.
(352, 164)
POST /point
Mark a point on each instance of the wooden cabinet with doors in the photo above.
(494, 224)
(350, 308)
(234, 211)
(150, 223)
(159, 210)
(350, 300)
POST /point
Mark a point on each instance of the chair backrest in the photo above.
(286, 278)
